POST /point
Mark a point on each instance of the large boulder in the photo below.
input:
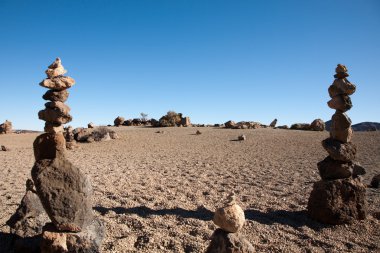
(6, 127)
(300, 126)
(229, 124)
(65, 193)
(338, 201)
(224, 242)
(317, 125)
(119, 121)
(273, 123)
(185, 121)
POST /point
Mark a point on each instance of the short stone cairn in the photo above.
(339, 197)
(230, 218)
(65, 193)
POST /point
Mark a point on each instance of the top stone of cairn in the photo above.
(56, 80)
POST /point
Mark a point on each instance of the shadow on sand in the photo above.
(201, 213)
(295, 219)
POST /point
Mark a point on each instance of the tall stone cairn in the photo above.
(63, 190)
(339, 197)
(230, 218)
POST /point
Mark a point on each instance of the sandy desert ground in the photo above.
(157, 192)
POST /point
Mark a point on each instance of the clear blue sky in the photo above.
(211, 60)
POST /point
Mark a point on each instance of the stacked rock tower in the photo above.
(230, 218)
(64, 191)
(340, 196)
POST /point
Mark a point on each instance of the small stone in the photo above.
(65, 193)
(337, 150)
(54, 95)
(4, 148)
(51, 73)
(340, 102)
(53, 128)
(242, 137)
(273, 123)
(58, 83)
(230, 218)
(224, 242)
(54, 116)
(375, 182)
(317, 125)
(338, 201)
(198, 132)
(49, 146)
(119, 121)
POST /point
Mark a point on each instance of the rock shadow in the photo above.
(200, 213)
(295, 219)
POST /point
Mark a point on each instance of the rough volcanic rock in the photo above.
(54, 95)
(229, 124)
(55, 116)
(340, 151)
(58, 83)
(53, 128)
(300, 126)
(330, 169)
(4, 148)
(91, 125)
(49, 146)
(119, 121)
(273, 123)
(198, 132)
(283, 127)
(341, 127)
(65, 193)
(375, 182)
(340, 102)
(224, 242)
(242, 137)
(317, 125)
(89, 240)
(83, 135)
(6, 127)
(56, 105)
(341, 87)
(230, 218)
(185, 121)
(55, 69)
(30, 216)
(338, 201)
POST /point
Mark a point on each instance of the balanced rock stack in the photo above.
(230, 218)
(64, 191)
(340, 197)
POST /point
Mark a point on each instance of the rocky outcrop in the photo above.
(340, 197)
(118, 121)
(6, 127)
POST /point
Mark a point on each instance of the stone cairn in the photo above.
(339, 197)
(230, 218)
(63, 190)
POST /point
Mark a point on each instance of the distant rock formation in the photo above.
(316, 125)
(340, 197)
(6, 127)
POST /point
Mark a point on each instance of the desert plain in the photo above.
(156, 192)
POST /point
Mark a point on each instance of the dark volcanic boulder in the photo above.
(229, 124)
(119, 121)
(330, 169)
(273, 123)
(375, 182)
(224, 242)
(30, 217)
(338, 201)
(340, 151)
(65, 193)
(53, 95)
(300, 126)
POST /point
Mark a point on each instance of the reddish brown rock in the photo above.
(330, 169)
(340, 151)
(53, 95)
(54, 116)
(229, 124)
(341, 127)
(230, 217)
(317, 125)
(59, 106)
(224, 242)
(119, 121)
(341, 87)
(338, 201)
(55, 69)
(49, 146)
(53, 128)
(58, 83)
(65, 193)
(341, 103)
